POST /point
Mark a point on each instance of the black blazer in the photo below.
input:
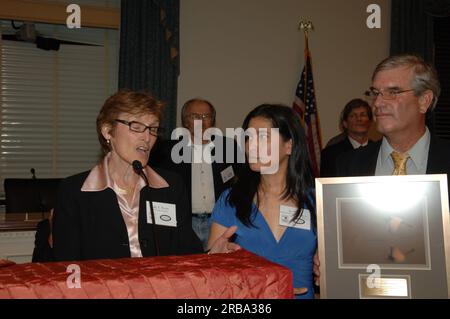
(363, 161)
(161, 157)
(330, 154)
(89, 225)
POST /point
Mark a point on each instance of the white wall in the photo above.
(240, 53)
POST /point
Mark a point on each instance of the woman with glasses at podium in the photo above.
(108, 212)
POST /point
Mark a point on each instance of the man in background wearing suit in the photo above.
(404, 90)
(204, 180)
(356, 119)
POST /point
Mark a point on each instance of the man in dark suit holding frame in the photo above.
(405, 89)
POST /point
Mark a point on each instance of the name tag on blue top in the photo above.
(288, 212)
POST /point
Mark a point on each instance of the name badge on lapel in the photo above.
(227, 174)
(288, 212)
(165, 214)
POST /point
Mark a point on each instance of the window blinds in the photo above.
(49, 101)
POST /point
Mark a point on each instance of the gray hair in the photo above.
(196, 100)
(425, 75)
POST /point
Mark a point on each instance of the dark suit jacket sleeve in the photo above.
(326, 163)
(42, 251)
(350, 164)
(341, 165)
(66, 225)
(187, 240)
(358, 162)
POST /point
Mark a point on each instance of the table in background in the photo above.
(17, 232)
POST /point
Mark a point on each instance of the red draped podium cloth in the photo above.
(236, 275)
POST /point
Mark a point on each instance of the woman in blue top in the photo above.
(271, 202)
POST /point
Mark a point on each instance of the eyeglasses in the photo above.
(389, 94)
(198, 116)
(140, 127)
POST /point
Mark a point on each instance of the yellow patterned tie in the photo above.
(400, 160)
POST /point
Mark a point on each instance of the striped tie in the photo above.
(400, 160)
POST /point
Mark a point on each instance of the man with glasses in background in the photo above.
(207, 178)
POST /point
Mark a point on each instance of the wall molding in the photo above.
(14, 235)
(55, 12)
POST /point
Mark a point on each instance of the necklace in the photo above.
(126, 190)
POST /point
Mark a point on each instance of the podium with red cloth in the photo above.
(238, 275)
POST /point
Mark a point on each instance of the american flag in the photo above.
(305, 105)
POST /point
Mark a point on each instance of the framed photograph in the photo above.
(384, 236)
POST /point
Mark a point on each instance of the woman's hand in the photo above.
(300, 291)
(222, 245)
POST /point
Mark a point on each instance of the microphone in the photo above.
(138, 169)
(137, 166)
(33, 173)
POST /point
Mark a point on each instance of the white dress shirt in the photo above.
(203, 197)
(356, 144)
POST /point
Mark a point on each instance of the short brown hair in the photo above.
(126, 101)
(349, 107)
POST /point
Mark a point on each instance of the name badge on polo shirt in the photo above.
(288, 212)
(165, 214)
(227, 174)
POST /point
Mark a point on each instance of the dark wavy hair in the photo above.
(299, 180)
